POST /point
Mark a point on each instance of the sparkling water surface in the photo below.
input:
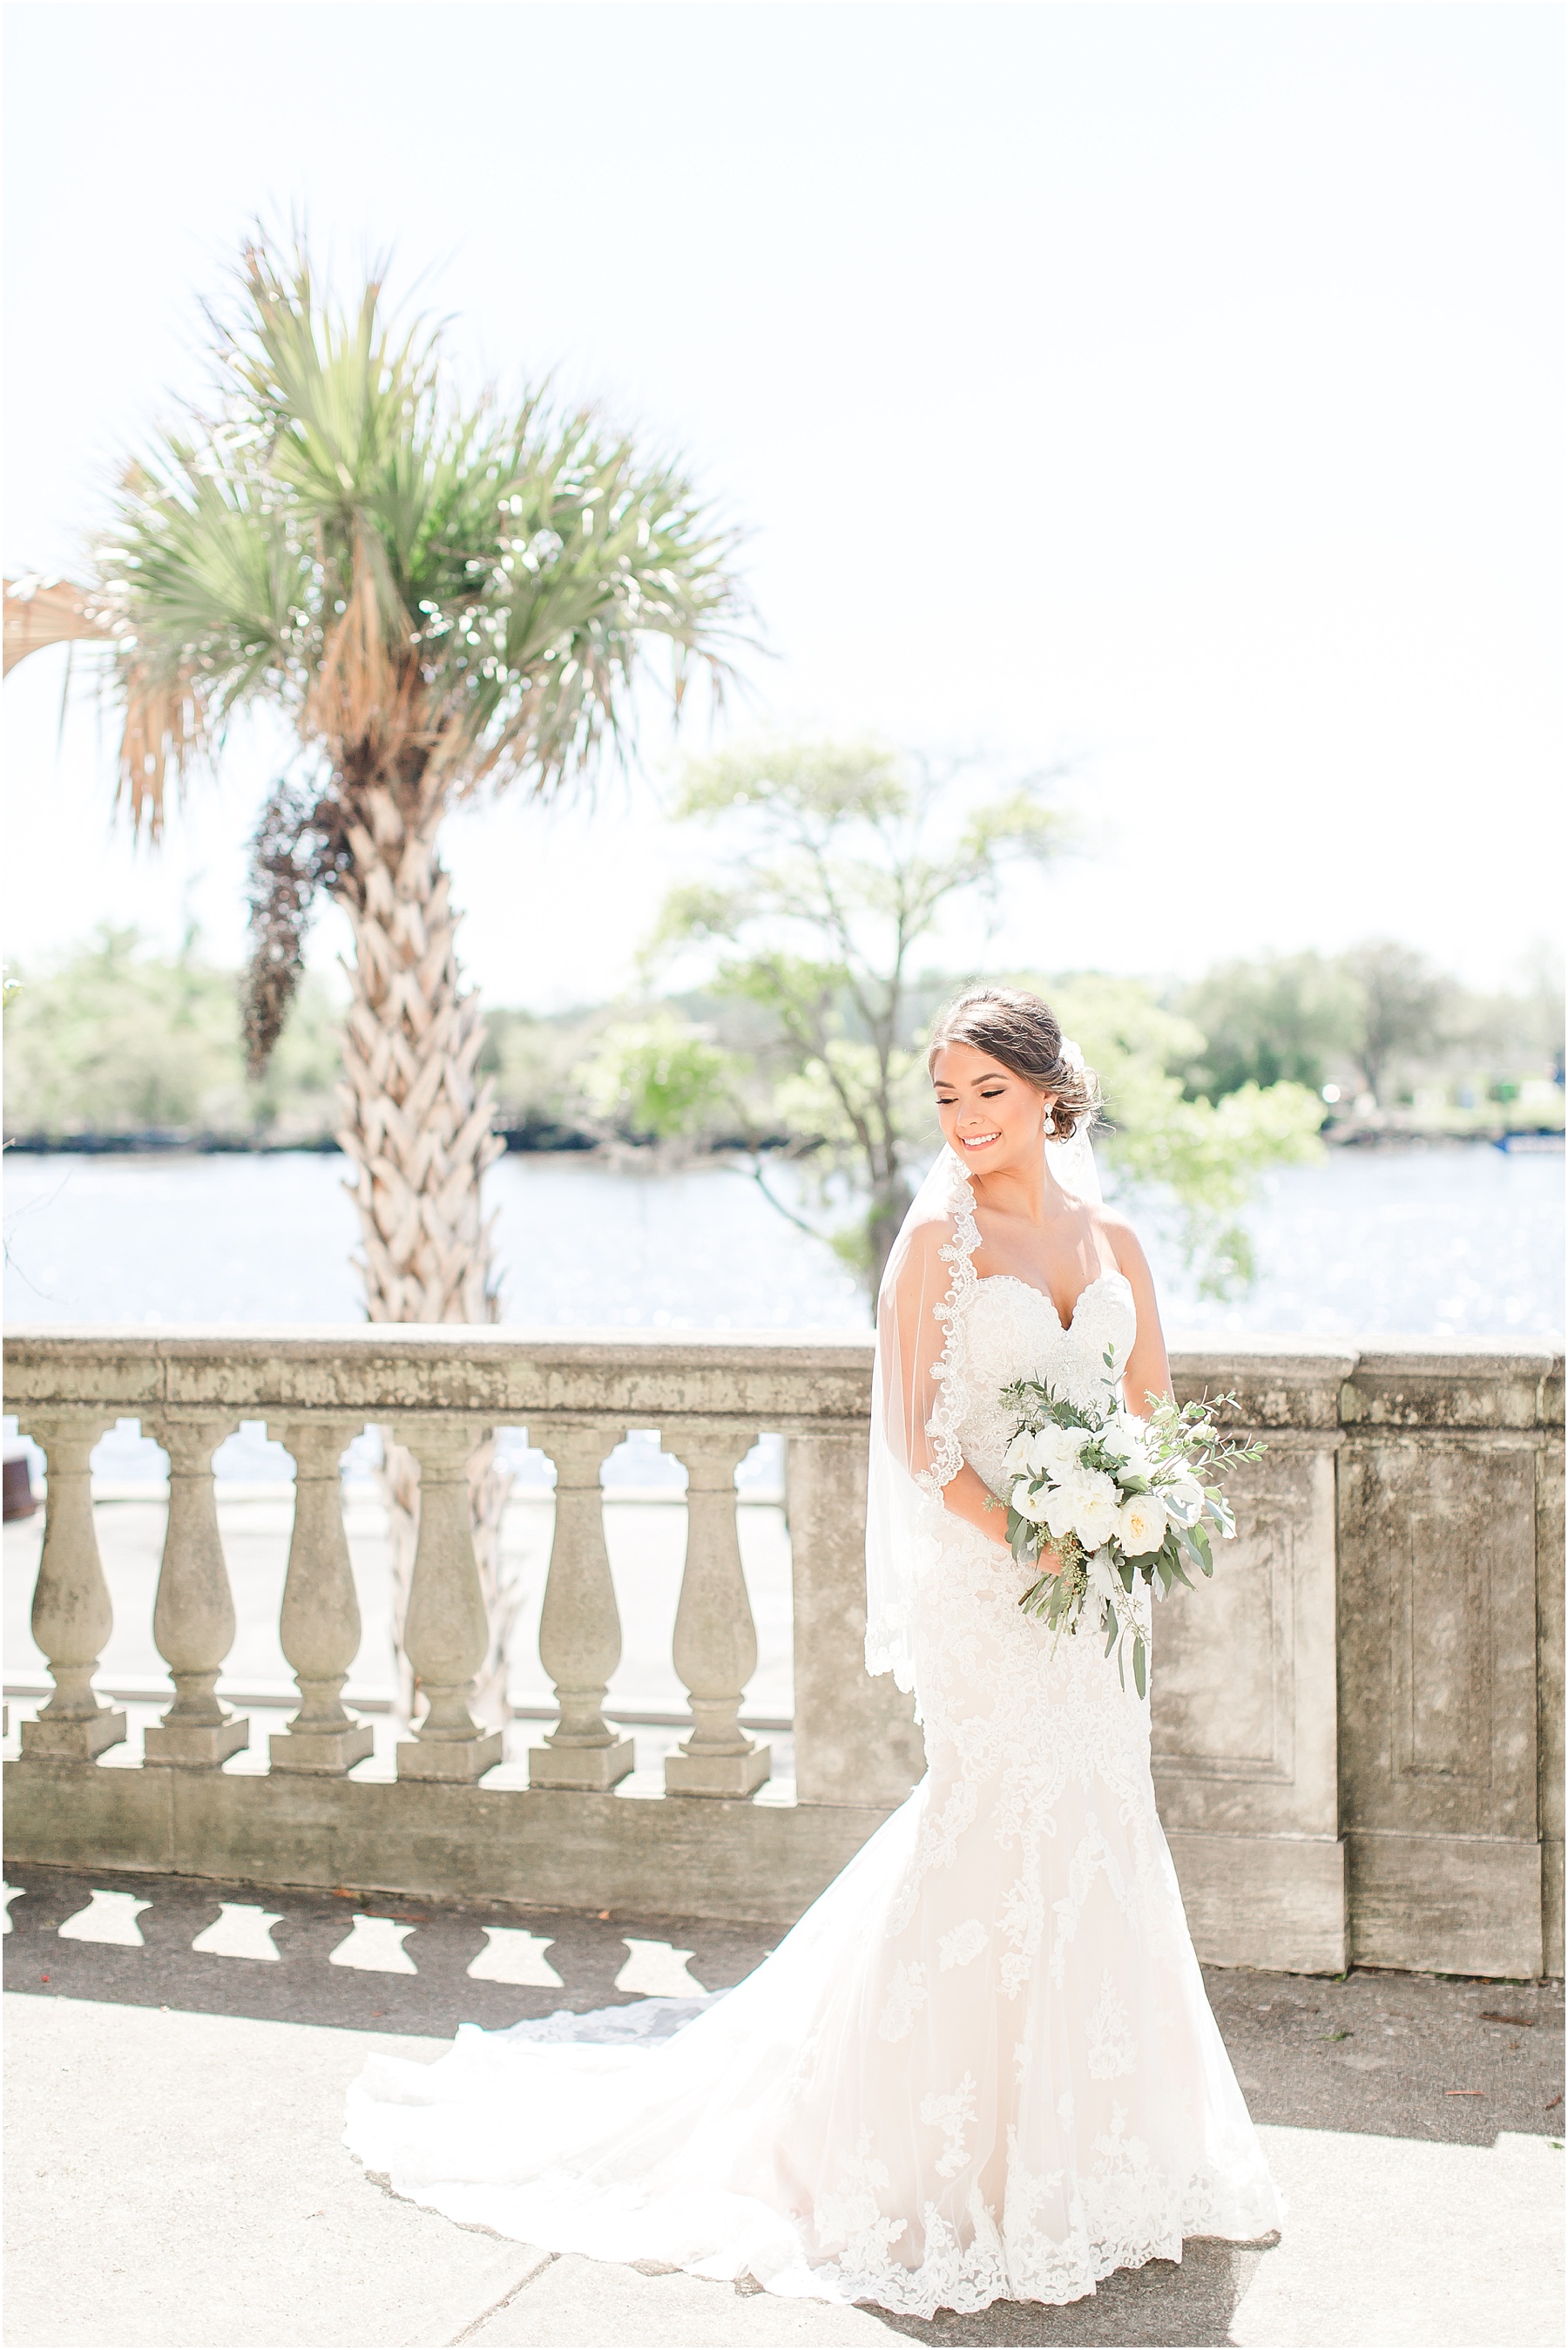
(1462, 1242)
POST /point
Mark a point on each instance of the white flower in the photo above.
(1025, 1504)
(1059, 1506)
(1016, 1456)
(1085, 1504)
(1140, 1526)
(1054, 1452)
(1095, 1521)
(1183, 1500)
(1126, 1438)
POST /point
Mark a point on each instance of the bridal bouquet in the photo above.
(1118, 1497)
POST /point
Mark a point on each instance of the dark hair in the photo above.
(1025, 1034)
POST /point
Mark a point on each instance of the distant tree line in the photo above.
(1380, 1019)
(115, 1039)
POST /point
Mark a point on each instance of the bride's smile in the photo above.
(988, 1115)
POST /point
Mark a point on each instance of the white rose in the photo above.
(1117, 1442)
(1056, 1450)
(1016, 1456)
(1096, 1523)
(1094, 1506)
(1059, 1504)
(1140, 1526)
(1025, 1504)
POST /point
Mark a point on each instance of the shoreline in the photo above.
(159, 1143)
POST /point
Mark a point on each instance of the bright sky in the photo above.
(1176, 388)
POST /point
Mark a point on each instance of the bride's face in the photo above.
(992, 1118)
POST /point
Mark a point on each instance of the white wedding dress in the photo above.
(983, 2065)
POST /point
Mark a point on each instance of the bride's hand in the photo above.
(1049, 1561)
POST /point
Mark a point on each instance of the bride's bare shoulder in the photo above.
(1126, 1248)
(924, 1241)
(921, 1265)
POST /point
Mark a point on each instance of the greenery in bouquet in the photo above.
(1118, 1499)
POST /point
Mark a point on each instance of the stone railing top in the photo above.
(799, 1380)
(795, 1380)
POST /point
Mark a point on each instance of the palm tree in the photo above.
(444, 597)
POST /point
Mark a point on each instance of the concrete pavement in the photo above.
(175, 2175)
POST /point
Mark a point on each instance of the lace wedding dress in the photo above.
(983, 2065)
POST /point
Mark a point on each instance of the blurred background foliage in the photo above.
(1206, 1082)
(111, 1039)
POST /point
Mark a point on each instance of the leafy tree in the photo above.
(115, 1039)
(1288, 1016)
(1201, 1154)
(657, 1078)
(1512, 1033)
(534, 1061)
(1403, 1004)
(840, 862)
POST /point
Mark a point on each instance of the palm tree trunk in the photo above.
(416, 1125)
(414, 1121)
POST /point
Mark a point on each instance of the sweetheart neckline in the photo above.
(1044, 1295)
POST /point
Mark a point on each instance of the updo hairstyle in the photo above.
(1026, 1036)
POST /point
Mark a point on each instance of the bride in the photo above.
(983, 2065)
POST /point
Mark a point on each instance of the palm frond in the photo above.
(42, 612)
(440, 594)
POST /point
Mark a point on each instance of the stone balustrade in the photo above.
(1357, 1726)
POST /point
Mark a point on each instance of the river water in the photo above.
(1462, 1242)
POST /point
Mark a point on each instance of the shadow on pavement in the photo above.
(1388, 2055)
(1166, 2304)
(302, 1986)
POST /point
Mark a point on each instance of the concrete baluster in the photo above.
(319, 1625)
(715, 1644)
(194, 1613)
(72, 1614)
(447, 1629)
(579, 1629)
(854, 1737)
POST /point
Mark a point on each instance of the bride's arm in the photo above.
(911, 1340)
(969, 1497)
(1146, 1377)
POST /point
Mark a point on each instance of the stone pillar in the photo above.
(715, 1644)
(1245, 1715)
(194, 1614)
(72, 1615)
(855, 1736)
(1549, 1547)
(447, 1629)
(1440, 1598)
(319, 1625)
(579, 1629)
